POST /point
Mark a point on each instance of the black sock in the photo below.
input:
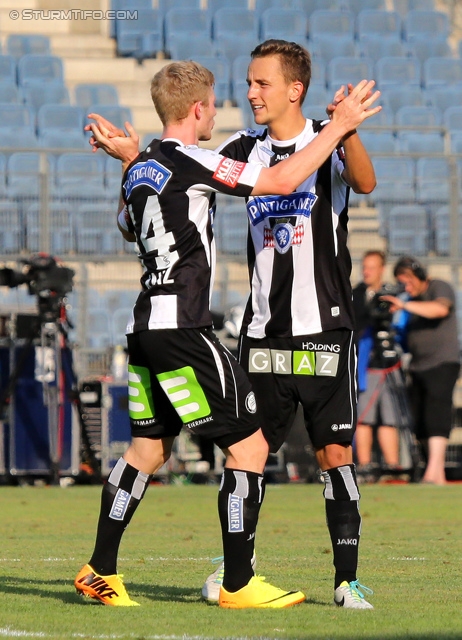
(120, 498)
(239, 500)
(343, 520)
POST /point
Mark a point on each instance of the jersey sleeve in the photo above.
(218, 173)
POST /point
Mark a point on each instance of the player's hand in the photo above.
(105, 136)
(356, 107)
(105, 127)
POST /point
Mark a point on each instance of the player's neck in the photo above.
(288, 127)
(184, 131)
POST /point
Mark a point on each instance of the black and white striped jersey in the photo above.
(299, 263)
(170, 194)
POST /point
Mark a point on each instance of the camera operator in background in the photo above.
(382, 405)
(432, 340)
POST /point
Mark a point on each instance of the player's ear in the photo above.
(198, 110)
(296, 91)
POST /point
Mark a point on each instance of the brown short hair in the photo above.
(376, 252)
(177, 86)
(295, 61)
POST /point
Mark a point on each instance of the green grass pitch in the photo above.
(411, 555)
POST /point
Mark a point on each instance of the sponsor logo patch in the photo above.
(149, 173)
(120, 505)
(301, 363)
(229, 171)
(269, 241)
(262, 207)
(235, 514)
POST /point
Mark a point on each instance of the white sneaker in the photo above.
(348, 595)
(211, 588)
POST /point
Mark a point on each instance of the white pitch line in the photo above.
(7, 632)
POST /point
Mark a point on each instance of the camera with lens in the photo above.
(386, 352)
(46, 279)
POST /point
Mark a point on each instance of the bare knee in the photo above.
(147, 454)
(334, 455)
(249, 454)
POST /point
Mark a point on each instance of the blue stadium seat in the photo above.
(167, 5)
(141, 38)
(120, 319)
(36, 95)
(2, 174)
(432, 180)
(408, 230)
(113, 173)
(419, 142)
(20, 138)
(127, 5)
(61, 227)
(220, 68)
(94, 230)
(57, 140)
(404, 6)
(424, 47)
(383, 118)
(215, 5)
(225, 46)
(181, 46)
(23, 174)
(284, 24)
(370, 46)
(11, 229)
(316, 101)
(116, 114)
(195, 22)
(231, 229)
(239, 69)
(395, 179)
(95, 93)
(326, 47)
(59, 117)
(232, 22)
(442, 71)
(318, 72)
(9, 92)
(456, 142)
(80, 176)
(263, 5)
(394, 98)
(8, 68)
(356, 6)
(335, 23)
(442, 229)
(443, 96)
(40, 68)
(418, 116)
(19, 45)
(397, 71)
(16, 116)
(381, 24)
(452, 118)
(379, 141)
(348, 69)
(420, 23)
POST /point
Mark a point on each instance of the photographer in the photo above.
(382, 405)
(433, 344)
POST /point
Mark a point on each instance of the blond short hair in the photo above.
(179, 85)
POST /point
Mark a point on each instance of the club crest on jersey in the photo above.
(262, 207)
(229, 171)
(149, 173)
(283, 234)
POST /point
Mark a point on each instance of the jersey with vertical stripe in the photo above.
(299, 263)
(169, 190)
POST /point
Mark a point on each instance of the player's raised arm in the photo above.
(285, 176)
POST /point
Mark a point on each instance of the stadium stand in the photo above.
(334, 23)
(326, 48)
(87, 94)
(220, 68)
(394, 71)
(408, 230)
(8, 69)
(11, 227)
(37, 95)
(285, 24)
(19, 45)
(380, 24)
(442, 71)
(141, 38)
(9, 92)
(345, 69)
(370, 46)
(40, 68)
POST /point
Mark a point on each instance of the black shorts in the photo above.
(186, 377)
(317, 371)
(431, 399)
